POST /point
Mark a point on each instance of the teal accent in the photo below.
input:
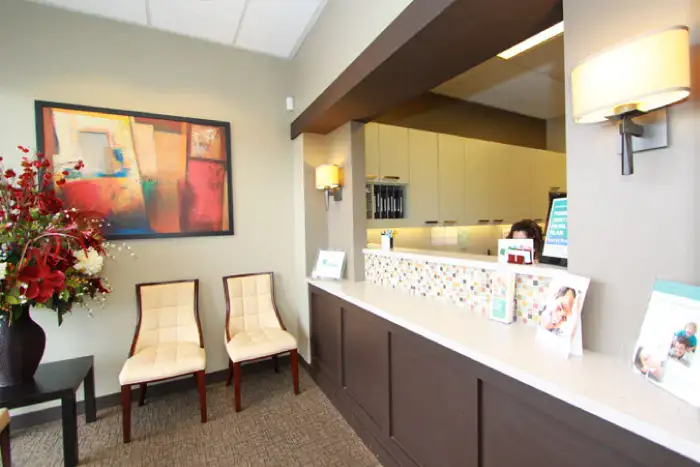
(558, 227)
(498, 308)
(149, 188)
(676, 288)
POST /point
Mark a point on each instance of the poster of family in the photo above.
(665, 353)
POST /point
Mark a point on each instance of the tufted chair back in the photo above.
(168, 314)
(250, 303)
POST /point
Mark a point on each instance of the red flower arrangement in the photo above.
(50, 256)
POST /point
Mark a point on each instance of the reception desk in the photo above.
(426, 383)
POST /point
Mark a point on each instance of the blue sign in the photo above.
(557, 239)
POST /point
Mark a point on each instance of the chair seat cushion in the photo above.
(163, 361)
(4, 418)
(258, 343)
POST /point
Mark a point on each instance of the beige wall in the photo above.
(443, 114)
(54, 55)
(346, 219)
(627, 231)
(556, 134)
(342, 32)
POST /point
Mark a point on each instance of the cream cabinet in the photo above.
(372, 151)
(548, 174)
(484, 197)
(423, 167)
(451, 178)
(517, 192)
(393, 153)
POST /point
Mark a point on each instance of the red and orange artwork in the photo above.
(151, 176)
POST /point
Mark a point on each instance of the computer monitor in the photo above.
(556, 242)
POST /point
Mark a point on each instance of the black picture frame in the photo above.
(564, 262)
(40, 106)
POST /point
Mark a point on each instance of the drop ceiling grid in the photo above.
(273, 27)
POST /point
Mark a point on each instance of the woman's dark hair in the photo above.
(533, 231)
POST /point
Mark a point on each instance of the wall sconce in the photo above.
(646, 73)
(328, 180)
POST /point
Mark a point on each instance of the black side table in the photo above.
(59, 380)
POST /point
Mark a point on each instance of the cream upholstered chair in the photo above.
(5, 437)
(167, 342)
(254, 329)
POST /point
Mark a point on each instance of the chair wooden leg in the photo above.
(237, 385)
(201, 386)
(126, 412)
(5, 447)
(276, 363)
(229, 378)
(142, 394)
(294, 360)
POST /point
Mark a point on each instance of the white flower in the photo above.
(3, 270)
(90, 263)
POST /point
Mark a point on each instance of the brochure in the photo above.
(665, 351)
(560, 320)
(329, 265)
(503, 298)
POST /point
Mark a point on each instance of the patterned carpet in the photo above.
(275, 428)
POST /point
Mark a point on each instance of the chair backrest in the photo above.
(168, 313)
(250, 303)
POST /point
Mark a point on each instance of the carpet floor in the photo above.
(275, 428)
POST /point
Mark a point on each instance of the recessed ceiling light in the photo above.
(531, 42)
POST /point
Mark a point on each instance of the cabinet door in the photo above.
(423, 189)
(451, 173)
(434, 402)
(548, 174)
(326, 353)
(517, 195)
(485, 184)
(393, 152)
(366, 365)
(372, 151)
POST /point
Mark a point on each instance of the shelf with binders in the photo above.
(386, 200)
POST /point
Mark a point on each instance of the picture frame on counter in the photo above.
(330, 264)
(665, 352)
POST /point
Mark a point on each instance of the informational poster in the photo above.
(665, 351)
(560, 320)
(556, 244)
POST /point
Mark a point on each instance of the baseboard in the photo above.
(38, 417)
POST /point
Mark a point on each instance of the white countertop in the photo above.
(467, 259)
(598, 384)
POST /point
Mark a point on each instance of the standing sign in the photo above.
(556, 244)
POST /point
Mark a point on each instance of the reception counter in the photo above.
(426, 382)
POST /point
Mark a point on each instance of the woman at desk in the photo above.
(528, 228)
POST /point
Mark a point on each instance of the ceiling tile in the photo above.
(277, 27)
(132, 11)
(214, 20)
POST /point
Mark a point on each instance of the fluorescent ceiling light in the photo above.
(531, 42)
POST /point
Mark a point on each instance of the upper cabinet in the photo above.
(451, 177)
(393, 153)
(423, 167)
(461, 181)
(548, 174)
(372, 151)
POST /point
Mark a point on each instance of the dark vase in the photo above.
(21, 347)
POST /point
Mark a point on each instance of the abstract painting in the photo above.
(150, 176)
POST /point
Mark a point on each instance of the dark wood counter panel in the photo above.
(417, 403)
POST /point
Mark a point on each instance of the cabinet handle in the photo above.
(449, 222)
(498, 221)
(431, 222)
(484, 221)
(554, 188)
(390, 177)
(539, 219)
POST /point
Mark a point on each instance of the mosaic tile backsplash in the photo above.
(462, 285)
